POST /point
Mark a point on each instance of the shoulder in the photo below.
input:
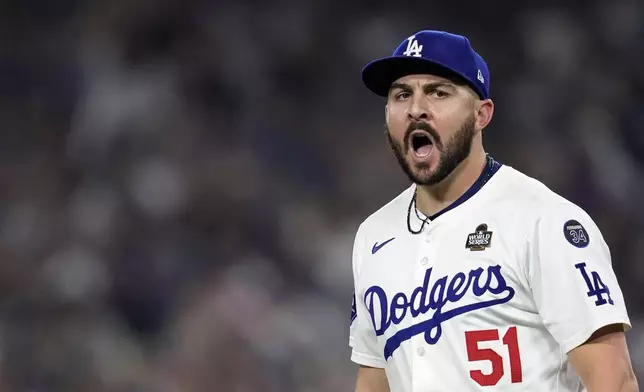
(387, 222)
(391, 216)
(533, 197)
(542, 210)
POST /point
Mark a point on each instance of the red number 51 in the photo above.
(474, 353)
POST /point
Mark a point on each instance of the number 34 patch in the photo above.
(576, 234)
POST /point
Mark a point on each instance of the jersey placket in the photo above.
(423, 372)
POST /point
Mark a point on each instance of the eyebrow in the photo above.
(426, 87)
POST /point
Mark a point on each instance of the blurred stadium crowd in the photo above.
(181, 181)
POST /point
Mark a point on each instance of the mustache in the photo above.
(425, 127)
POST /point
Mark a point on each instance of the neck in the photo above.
(430, 199)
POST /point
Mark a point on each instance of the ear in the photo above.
(387, 114)
(484, 113)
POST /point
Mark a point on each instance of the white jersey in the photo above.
(490, 296)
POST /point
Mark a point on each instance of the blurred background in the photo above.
(181, 181)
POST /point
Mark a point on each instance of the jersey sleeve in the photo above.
(365, 349)
(571, 276)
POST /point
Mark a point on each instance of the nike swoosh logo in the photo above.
(377, 247)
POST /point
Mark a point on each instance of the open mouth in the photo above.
(421, 143)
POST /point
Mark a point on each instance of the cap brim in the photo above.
(379, 75)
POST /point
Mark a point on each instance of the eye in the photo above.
(403, 95)
(440, 94)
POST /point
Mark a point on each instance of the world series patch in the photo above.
(480, 239)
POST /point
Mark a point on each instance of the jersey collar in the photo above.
(490, 170)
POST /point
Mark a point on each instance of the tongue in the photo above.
(424, 150)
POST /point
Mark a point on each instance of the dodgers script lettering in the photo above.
(425, 298)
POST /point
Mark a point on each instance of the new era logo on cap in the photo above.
(479, 76)
(430, 52)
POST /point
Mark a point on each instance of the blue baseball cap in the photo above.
(430, 52)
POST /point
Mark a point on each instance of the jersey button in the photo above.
(420, 351)
(424, 261)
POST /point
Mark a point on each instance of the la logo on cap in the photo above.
(413, 49)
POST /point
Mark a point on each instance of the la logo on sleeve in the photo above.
(596, 287)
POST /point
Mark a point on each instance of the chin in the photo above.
(424, 169)
(423, 175)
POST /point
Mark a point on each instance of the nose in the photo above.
(418, 109)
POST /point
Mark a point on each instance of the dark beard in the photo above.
(455, 151)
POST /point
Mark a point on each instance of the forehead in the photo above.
(422, 79)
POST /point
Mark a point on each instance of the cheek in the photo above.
(397, 126)
(396, 131)
(447, 125)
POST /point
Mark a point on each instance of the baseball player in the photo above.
(477, 277)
